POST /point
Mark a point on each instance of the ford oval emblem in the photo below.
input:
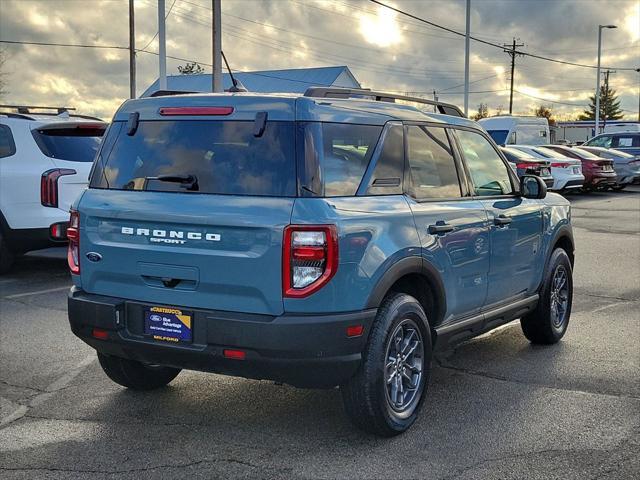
(94, 256)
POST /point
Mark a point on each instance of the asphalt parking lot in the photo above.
(497, 407)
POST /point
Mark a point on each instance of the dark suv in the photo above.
(319, 240)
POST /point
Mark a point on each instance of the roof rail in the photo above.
(25, 109)
(338, 92)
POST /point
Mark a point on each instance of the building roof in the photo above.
(266, 81)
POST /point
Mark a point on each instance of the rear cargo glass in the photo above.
(71, 144)
(199, 156)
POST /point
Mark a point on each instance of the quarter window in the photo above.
(624, 142)
(488, 171)
(387, 176)
(7, 145)
(433, 171)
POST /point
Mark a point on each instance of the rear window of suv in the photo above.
(199, 156)
(72, 144)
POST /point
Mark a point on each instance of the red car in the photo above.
(598, 172)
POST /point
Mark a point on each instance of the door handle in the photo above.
(440, 228)
(502, 220)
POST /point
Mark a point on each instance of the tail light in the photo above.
(309, 258)
(561, 165)
(73, 234)
(49, 185)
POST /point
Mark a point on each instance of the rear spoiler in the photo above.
(60, 126)
(168, 93)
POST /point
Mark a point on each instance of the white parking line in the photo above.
(37, 292)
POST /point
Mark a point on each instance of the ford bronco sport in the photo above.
(328, 239)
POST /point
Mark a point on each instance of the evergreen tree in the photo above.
(609, 106)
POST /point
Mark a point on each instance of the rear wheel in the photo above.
(548, 323)
(6, 256)
(136, 375)
(617, 188)
(387, 392)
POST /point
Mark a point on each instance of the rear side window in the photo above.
(626, 141)
(71, 144)
(336, 155)
(388, 173)
(433, 172)
(7, 145)
(200, 156)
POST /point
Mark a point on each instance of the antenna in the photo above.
(237, 84)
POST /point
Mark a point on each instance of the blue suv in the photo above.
(334, 238)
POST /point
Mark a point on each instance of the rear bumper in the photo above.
(301, 350)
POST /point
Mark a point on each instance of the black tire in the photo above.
(367, 398)
(617, 188)
(136, 375)
(547, 324)
(6, 256)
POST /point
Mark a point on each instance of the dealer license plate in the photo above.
(168, 324)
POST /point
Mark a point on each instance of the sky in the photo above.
(384, 50)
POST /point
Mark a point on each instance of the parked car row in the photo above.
(565, 168)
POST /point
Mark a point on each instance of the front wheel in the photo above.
(136, 375)
(548, 323)
(387, 392)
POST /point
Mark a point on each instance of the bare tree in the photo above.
(544, 111)
(483, 112)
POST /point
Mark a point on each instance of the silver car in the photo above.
(627, 166)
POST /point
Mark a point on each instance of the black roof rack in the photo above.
(26, 109)
(338, 92)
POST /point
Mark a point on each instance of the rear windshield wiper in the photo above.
(189, 182)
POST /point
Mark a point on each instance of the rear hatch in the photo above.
(190, 212)
(72, 146)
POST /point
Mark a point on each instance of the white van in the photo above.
(622, 127)
(509, 130)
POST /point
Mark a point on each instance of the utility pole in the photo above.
(435, 99)
(466, 60)
(216, 46)
(132, 52)
(162, 47)
(606, 92)
(596, 130)
(638, 72)
(511, 50)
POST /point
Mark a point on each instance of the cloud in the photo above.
(384, 50)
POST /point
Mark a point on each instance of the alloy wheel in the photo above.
(404, 368)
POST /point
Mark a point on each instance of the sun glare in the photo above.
(632, 22)
(381, 29)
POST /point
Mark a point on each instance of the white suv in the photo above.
(45, 160)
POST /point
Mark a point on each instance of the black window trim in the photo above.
(373, 162)
(12, 143)
(515, 182)
(465, 192)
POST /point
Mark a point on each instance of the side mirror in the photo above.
(532, 186)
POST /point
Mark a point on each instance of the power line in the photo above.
(551, 101)
(78, 45)
(158, 31)
(461, 34)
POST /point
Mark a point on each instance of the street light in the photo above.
(600, 27)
